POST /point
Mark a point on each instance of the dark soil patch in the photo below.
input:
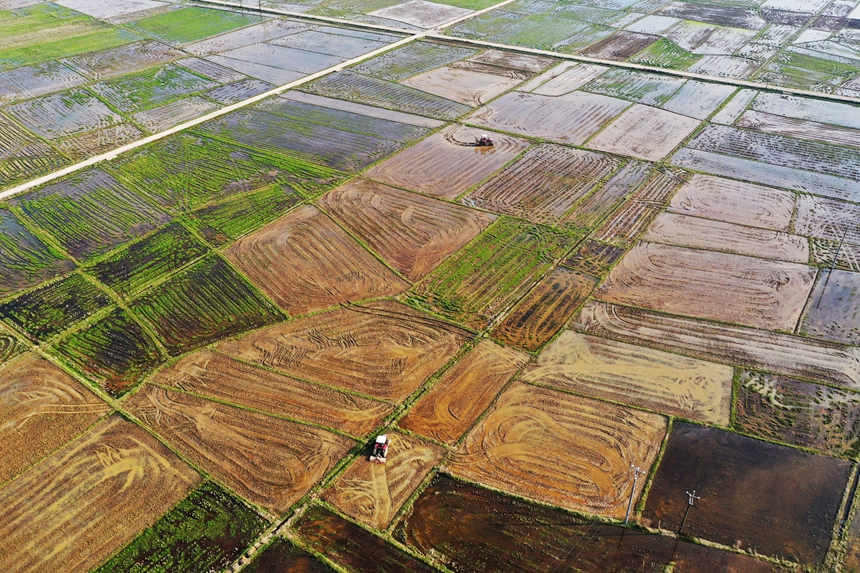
(282, 556)
(620, 46)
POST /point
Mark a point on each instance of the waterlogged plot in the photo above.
(95, 494)
(448, 163)
(698, 233)
(735, 202)
(421, 13)
(23, 155)
(467, 86)
(620, 45)
(129, 270)
(601, 203)
(800, 128)
(169, 115)
(34, 81)
(24, 259)
(412, 59)
(541, 444)
(42, 408)
(90, 213)
(465, 391)
(225, 379)
(834, 310)
(414, 233)
(189, 24)
(835, 113)
(717, 286)
(481, 281)
(269, 461)
(827, 219)
(544, 310)
(789, 522)
(206, 302)
(644, 132)
(306, 262)
(206, 531)
(698, 99)
(151, 88)
(644, 88)
(620, 372)
(63, 114)
(799, 413)
(570, 118)
(111, 11)
(98, 141)
(544, 183)
(383, 349)
(282, 555)
(238, 91)
(263, 32)
(122, 60)
(563, 79)
(53, 307)
(374, 493)
(341, 42)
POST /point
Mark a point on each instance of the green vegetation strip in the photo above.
(190, 24)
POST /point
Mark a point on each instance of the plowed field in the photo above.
(222, 378)
(24, 259)
(41, 407)
(545, 309)
(834, 307)
(602, 202)
(447, 411)
(630, 374)
(373, 493)
(414, 233)
(268, 461)
(756, 349)
(561, 449)
(593, 257)
(544, 183)
(468, 87)
(730, 288)
(644, 132)
(283, 556)
(94, 496)
(384, 349)
(306, 262)
(627, 223)
(447, 163)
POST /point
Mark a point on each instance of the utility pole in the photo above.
(636, 472)
(833, 264)
(691, 501)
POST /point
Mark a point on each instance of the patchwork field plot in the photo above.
(225, 379)
(644, 88)
(96, 494)
(660, 381)
(53, 307)
(790, 127)
(115, 351)
(259, 33)
(64, 114)
(98, 141)
(168, 115)
(269, 461)
(570, 118)
(717, 286)
(834, 113)
(23, 155)
(414, 233)
(238, 91)
(24, 259)
(412, 59)
(382, 349)
(563, 78)
(698, 99)
(483, 279)
(544, 183)
(151, 88)
(89, 213)
(282, 555)
(465, 391)
(735, 202)
(789, 522)
(602, 202)
(620, 46)
(341, 42)
(543, 444)
(206, 531)
(469, 87)
(593, 257)
(684, 231)
(350, 545)
(544, 310)
(799, 413)
(206, 302)
(105, 64)
(447, 163)
(147, 260)
(475, 530)
(644, 132)
(421, 13)
(755, 349)
(834, 308)
(306, 262)
(627, 223)
(374, 493)
(42, 408)
(827, 219)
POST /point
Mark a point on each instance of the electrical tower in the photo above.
(636, 472)
(691, 502)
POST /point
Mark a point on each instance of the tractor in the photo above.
(380, 449)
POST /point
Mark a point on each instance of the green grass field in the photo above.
(189, 24)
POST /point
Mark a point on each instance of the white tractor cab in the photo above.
(380, 449)
(484, 141)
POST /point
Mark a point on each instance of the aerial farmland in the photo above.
(450, 286)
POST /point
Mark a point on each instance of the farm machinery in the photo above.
(484, 141)
(379, 454)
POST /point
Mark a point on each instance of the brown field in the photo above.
(463, 393)
(621, 372)
(412, 232)
(661, 186)
(513, 60)
(383, 349)
(644, 132)
(545, 309)
(466, 86)
(89, 499)
(306, 262)
(374, 493)
(685, 231)
(755, 349)
(447, 163)
(561, 449)
(217, 376)
(703, 284)
(626, 224)
(544, 183)
(41, 407)
(593, 258)
(268, 461)
(827, 219)
(735, 202)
